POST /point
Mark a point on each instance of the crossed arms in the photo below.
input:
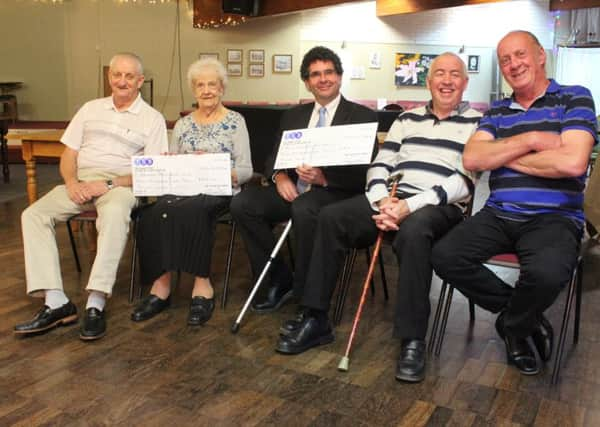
(543, 154)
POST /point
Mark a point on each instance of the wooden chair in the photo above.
(85, 217)
(90, 216)
(344, 281)
(8, 114)
(574, 292)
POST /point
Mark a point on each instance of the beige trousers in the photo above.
(42, 267)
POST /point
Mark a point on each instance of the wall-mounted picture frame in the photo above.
(234, 69)
(203, 55)
(256, 70)
(282, 63)
(411, 69)
(256, 56)
(234, 55)
(473, 63)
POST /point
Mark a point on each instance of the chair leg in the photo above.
(368, 259)
(436, 318)
(344, 286)
(444, 319)
(73, 247)
(471, 312)
(342, 280)
(386, 295)
(578, 290)
(228, 267)
(133, 261)
(563, 328)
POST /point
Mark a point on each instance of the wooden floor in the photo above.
(162, 372)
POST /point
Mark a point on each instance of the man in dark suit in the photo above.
(255, 210)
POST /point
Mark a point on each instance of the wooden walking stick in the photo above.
(343, 365)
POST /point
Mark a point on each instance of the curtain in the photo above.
(585, 26)
(579, 66)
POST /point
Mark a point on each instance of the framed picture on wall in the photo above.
(234, 69)
(203, 55)
(473, 64)
(410, 69)
(282, 63)
(234, 55)
(256, 56)
(256, 70)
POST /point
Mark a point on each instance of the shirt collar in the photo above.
(134, 108)
(511, 103)
(332, 106)
(460, 108)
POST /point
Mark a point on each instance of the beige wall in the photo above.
(58, 50)
(32, 50)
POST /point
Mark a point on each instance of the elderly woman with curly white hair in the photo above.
(178, 233)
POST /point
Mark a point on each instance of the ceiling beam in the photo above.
(206, 11)
(573, 4)
(398, 7)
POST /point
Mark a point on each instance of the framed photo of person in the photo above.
(203, 55)
(234, 69)
(234, 55)
(256, 70)
(473, 63)
(282, 63)
(256, 56)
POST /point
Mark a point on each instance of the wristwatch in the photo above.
(110, 184)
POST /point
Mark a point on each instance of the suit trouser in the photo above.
(256, 209)
(349, 224)
(547, 247)
(42, 267)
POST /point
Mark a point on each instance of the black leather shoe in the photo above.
(411, 364)
(543, 338)
(276, 297)
(520, 354)
(149, 307)
(47, 318)
(289, 326)
(93, 326)
(309, 334)
(201, 310)
(518, 350)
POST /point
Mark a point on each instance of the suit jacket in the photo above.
(349, 178)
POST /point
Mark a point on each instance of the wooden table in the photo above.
(34, 145)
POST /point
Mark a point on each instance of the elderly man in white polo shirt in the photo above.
(95, 166)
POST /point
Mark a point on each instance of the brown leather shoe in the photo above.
(47, 318)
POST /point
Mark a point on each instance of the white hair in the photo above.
(463, 67)
(128, 55)
(197, 67)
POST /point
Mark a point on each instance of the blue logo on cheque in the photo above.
(293, 135)
(143, 161)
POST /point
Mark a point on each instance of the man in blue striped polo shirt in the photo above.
(536, 144)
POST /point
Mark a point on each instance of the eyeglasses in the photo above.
(128, 76)
(319, 74)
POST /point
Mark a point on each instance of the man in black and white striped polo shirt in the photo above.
(424, 148)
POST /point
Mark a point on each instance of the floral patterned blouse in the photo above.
(230, 135)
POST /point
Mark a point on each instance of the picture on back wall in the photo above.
(411, 68)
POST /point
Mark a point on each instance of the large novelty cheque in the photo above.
(327, 146)
(182, 174)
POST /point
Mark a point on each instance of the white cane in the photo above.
(236, 325)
